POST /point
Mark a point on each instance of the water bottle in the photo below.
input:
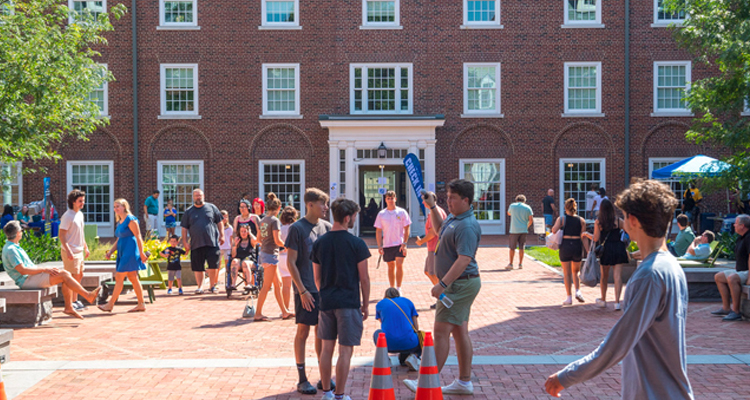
(447, 302)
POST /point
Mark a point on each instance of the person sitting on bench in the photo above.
(28, 276)
(700, 248)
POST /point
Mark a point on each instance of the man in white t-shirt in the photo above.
(392, 233)
(602, 195)
(590, 196)
(73, 248)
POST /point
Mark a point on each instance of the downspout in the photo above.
(134, 41)
(627, 93)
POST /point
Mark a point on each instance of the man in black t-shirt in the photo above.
(549, 208)
(730, 281)
(205, 225)
(340, 263)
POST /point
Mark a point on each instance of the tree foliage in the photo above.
(47, 71)
(717, 33)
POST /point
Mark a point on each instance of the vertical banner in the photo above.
(47, 212)
(414, 171)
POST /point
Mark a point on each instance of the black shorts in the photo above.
(302, 316)
(202, 255)
(571, 250)
(391, 253)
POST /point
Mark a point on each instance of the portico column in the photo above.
(333, 165)
(429, 167)
(351, 177)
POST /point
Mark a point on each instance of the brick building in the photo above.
(286, 95)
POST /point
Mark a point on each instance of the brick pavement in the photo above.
(516, 313)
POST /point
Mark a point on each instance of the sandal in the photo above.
(306, 388)
(289, 316)
(262, 319)
(101, 307)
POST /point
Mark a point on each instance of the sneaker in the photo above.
(520, 266)
(458, 388)
(78, 306)
(721, 311)
(169, 291)
(411, 384)
(400, 293)
(618, 307)
(412, 362)
(601, 304)
(434, 306)
(198, 291)
(328, 396)
(215, 290)
(579, 297)
(509, 267)
(732, 316)
(179, 291)
(568, 301)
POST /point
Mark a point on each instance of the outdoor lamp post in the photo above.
(382, 152)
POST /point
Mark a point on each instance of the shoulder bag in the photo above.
(554, 240)
(420, 334)
(599, 251)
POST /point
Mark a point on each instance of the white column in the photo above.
(429, 167)
(351, 176)
(333, 167)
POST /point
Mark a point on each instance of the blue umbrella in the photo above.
(696, 166)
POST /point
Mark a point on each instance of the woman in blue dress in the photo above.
(130, 255)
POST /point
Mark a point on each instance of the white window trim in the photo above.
(111, 164)
(481, 24)
(482, 113)
(396, 24)
(671, 112)
(105, 111)
(584, 113)
(279, 114)
(410, 69)
(163, 25)
(503, 209)
(72, 9)
(11, 8)
(597, 23)
(19, 171)
(652, 161)
(746, 109)
(264, 24)
(302, 188)
(163, 93)
(160, 184)
(659, 23)
(561, 175)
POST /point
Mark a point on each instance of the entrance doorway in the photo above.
(370, 199)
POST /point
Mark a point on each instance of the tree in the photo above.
(47, 72)
(717, 33)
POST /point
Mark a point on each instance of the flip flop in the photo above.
(290, 316)
(262, 319)
(101, 307)
(137, 310)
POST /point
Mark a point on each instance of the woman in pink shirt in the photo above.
(431, 238)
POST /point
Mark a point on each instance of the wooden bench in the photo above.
(149, 278)
(26, 307)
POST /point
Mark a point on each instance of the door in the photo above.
(372, 186)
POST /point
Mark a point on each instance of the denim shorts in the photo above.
(266, 258)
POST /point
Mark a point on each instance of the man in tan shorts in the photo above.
(73, 248)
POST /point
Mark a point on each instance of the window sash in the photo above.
(178, 180)
(82, 6)
(384, 89)
(179, 12)
(280, 13)
(481, 12)
(11, 178)
(381, 12)
(95, 180)
(286, 179)
(486, 175)
(179, 83)
(577, 176)
(671, 84)
(281, 89)
(582, 87)
(582, 11)
(481, 88)
(662, 16)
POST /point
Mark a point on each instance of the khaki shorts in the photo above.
(462, 292)
(38, 281)
(429, 263)
(74, 266)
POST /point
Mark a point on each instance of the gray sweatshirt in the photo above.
(649, 338)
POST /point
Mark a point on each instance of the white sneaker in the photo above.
(328, 396)
(601, 304)
(458, 388)
(579, 296)
(411, 384)
(568, 301)
(617, 306)
(400, 293)
(509, 267)
(412, 362)
(198, 291)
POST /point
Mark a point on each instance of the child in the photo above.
(174, 269)
(226, 248)
(170, 218)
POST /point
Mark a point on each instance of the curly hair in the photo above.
(652, 203)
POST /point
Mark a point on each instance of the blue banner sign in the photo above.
(414, 171)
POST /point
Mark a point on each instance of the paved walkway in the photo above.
(187, 347)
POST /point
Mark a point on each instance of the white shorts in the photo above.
(741, 274)
(38, 281)
(152, 222)
(283, 269)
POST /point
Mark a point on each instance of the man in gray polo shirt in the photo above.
(456, 267)
(649, 338)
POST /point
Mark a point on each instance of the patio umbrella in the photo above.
(693, 167)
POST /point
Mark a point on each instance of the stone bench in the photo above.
(26, 307)
(90, 281)
(6, 335)
(701, 284)
(745, 302)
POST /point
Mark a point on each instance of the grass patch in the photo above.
(545, 255)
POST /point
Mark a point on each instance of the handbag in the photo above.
(554, 240)
(590, 273)
(599, 251)
(420, 334)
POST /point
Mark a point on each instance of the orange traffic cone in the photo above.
(428, 386)
(381, 384)
(3, 396)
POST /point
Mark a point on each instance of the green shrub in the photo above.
(727, 240)
(39, 248)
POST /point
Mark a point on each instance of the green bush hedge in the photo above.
(39, 248)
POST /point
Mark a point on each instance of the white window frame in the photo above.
(596, 23)
(185, 26)
(283, 114)
(671, 112)
(396, 24)
(71, 7)
(264, 24)
(365, 66)
(746, 109)
(261, 182)
(481, 24)
(662, 23)
(163, 93)
(160, 185)
(104, 113)
(10, 8)
(583, 113)
(480, 113)
(651, 162)
(111, 165)
(503, 182)
(19, 172)
(561, 176)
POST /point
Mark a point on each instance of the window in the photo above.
(280, 13)
(583, 82)
(380, 14)
(381, 89)
(182, 14)
(177, 180)
(482, 89)
(12, 184)
(481, 14)
(84, 8)
(489, 194)
(671, 81)
(100, 95)
(342, 173)
(6, 8)
(281, 89)
(179, 90)
(576, 178)
(286, 179)
(583, 14)
(746, 108)
(675, 184)
(664, 18)
(96, 179)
